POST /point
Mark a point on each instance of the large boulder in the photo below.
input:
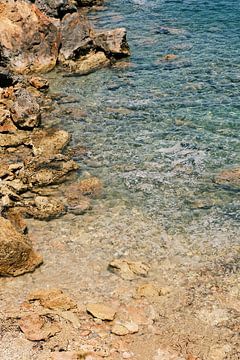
(76, 37)
(16, 254)
(113, 42)
(29, 40)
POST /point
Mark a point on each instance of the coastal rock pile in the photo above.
(34, 37)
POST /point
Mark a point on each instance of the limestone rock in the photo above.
(37, 327)
(25, 110)
(124, 328)
(29, 40)
(16, 254)
(128, 270)
(45, 208)
(52, 299)
(101, 311)
(39, 82)
(49, 142)
(76, 39)
(113, 42)
(148, 290)
(89, 63)
(16, 139)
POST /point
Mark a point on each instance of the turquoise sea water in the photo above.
(157, 131)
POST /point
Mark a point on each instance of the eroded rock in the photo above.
(39, 83)
(101, 311)
(49, 142)
(128, 270)
(29, 40)
(52, 299)
(16, 254)
(113, 42)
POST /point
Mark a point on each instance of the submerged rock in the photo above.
(16, 254)
(229, 178)
(29, 40)
(89, 63)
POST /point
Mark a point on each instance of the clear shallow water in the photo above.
(158, 131)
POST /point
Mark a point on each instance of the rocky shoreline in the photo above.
(34, 38)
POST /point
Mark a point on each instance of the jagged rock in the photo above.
(16, 216)
(25, 110)
(45, 208)
(16, 139)
(29, 40)
(113, 42)
(76, 37)
(52, 299)
(46, 171)
(16, 254)
(36, 327)
(56, 8)
(39, 82)
(128, 270)
(6, 124)
(101, 311)
(50, 141)
(89, 63)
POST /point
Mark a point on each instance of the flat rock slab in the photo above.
(101, 311)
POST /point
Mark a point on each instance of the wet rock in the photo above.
(52, 299)
(113, 42)
(229, 178)
(128, 270)
(25, 110)
(37, 327)
(49, 142)
(76, 37)
(29, 40)
(16, 254)
(45, 208)
(39, 82)
(43, 171)
(101, 311)
(124, 328)
(89, 63)
(91, 186)
(56, 8)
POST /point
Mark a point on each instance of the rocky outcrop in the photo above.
(56, 8)
(16, 254)
(113, 42)
(29, 40)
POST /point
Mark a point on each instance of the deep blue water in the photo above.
(159, 131)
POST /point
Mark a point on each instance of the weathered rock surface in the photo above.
(76, 37)
(56, 8)
(52, 299)
(25, 110)
(101, 311)
(113, 42)
(49, 142)
(29, 40)
(36, 327)
(16, 254)
(128, 270)
(91, 186)
(39, 82)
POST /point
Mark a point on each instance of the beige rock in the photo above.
(148, 290)
(128, 270)
(37, 328)
(91, 186)
(49, 142)
(39, 82)
(16, 254)
(45, 208)
(89, 63)
(113, 42)
(101, 311)
(52, 299)
(124, 328)
(16, 139)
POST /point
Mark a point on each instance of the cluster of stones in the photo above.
(34, 37)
